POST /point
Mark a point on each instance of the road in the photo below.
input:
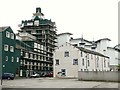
(56, 83)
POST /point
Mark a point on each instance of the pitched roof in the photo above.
(102, 39)
(64, 33)
(88, 51)
(81, 39)
(117, 46)
(3, 28)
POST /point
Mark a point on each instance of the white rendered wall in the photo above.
(74, 53)
(113, 56)
(102, 46)
(61, 39)
(66, 62)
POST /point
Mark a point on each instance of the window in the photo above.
(97, 62)
(21, 53)
(31, 56)
(21, 62)
(38, 57)
(87, 56)
(12, 36)
(104, 62)
(81, 54)
(88, 63)
(7, 34)
(6, 47)
(28, 67)
(38, 46)
(63, 72)
(75, 61)
(26, 55)
(33, 32)
(35, 45)
(36, 22)
(35, 56)
(38, 50)
(11, 49)
(57, 62)
(108, 64)
(66, 54)
(91, 56)
(75, 45)
(6, 58)
(17, 59)
(12, 60)
(83, 61)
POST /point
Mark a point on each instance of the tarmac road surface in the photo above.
(56, 83)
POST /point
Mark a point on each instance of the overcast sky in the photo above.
(94, 18)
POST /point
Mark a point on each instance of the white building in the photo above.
(101, 46)
(62, 38)
(69, 59)
(114, 54)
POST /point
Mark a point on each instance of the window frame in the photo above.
(31, 56)
(6, 58)
(35, 56)
(7, 34)
(88, 62)
(27, 55)
(75, 61)
(17, 59)
(104, 62)
(11, 48)
(81, 53)
(83, 62)
(12, 59)
(57, 62)
(97, 61)
(66, 54)
(12, 36)
(6, 47)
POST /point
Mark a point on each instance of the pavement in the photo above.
(56, 83)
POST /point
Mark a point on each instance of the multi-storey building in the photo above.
(101, 46)
(39, 35)
(9, 55)
(69, 59)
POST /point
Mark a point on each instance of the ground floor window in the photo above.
(57, 62)
(6, 58)
(63, 72)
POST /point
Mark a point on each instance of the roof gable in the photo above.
(81, 49)
(4, 28)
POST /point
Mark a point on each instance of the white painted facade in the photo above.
(62, 38)
(114, 56)
(85, 61)
(101, 47)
